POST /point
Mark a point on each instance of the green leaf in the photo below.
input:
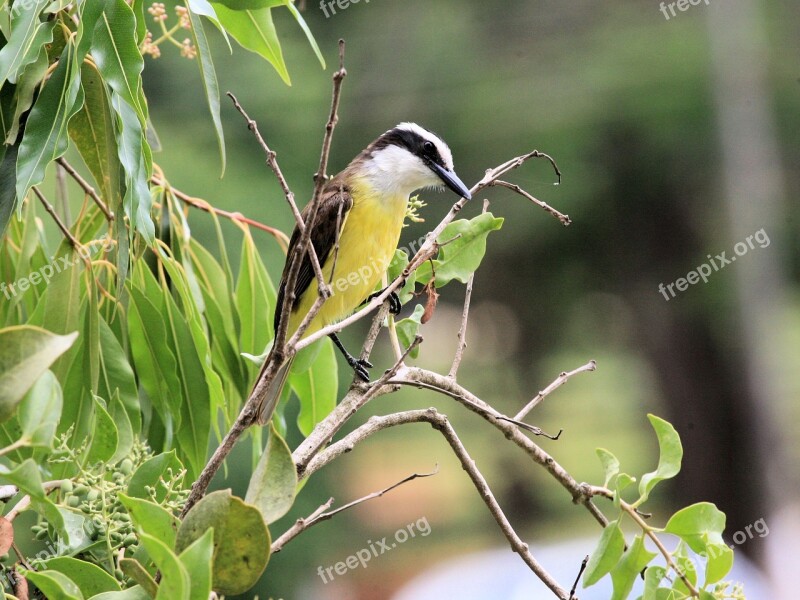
(175, 584)
(697, 525)
(25, 354)
(255, 301)
(40, 411)
(133, 568)
(396, 267)
(316, 388)
(26, 477)
(155, 363)
(45, 137)
(610, 464)
(719, 562)
(150, 472)
(304, 26)
(104, 437)
(27, 83)
(197, 559)
(209, 77)
(463, 250)
(28, 35)
(90, 578)
(132, 593)
(92, 131)
(408, 328)
(116, 374)
(241, 540)
(274, 483)
(606, 555)
(653, 576)
(255, 31)
(134, 154)
(125, 430)
(623, 575)
(8, 184)
(152, 519)
(54, 585)
(669, 459)
(117, 56)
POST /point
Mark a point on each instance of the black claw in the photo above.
(395, 306)
(358, 365)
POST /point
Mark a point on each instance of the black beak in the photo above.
(451, 180)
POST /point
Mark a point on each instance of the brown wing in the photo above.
(336, 201)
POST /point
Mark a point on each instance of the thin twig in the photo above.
(584, 562)
(49, 208)
(320, 177)
(87, 188)
(441, 424)
(318, 516)
(299, 527)
(199, 203)
(565, 220)
(559, 381)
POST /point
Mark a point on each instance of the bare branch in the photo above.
(51, 211)
(565, 220)
(441, 424)
(319, 515)
(320, 176)
(90, 191)
(199, 203)
(584, 562)
(559, 381)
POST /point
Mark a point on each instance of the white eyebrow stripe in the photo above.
(444, 150)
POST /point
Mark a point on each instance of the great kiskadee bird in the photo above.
(362, 211)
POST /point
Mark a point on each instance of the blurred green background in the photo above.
(677, 139)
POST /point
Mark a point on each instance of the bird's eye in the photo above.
(428, 147)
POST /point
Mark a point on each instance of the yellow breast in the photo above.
(367, 243)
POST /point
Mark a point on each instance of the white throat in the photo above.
(394, 171)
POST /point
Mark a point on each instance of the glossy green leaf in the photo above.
(174, 584)
(408, 328)
(274, 483)
(241, 540)
(606, 555)
(132, 593)
(118, 57)
(28, 35)
(197, 559)
(152, 519)
(45, 137)
(464, 245)
(396, 267)
(610, 464)
(255, 31)
(116, 374)
(209, 77)
(133, 568)
(25, 354)
(252, 4)
(623, 575)
(40, 411)
(653, 576)
(92, 132)
(317, 387)
(701, 526)
(719, 561)
(155, 363)
(133, 156)
(90, 578)
(304, 26)
(669, 460)
(125, 431)
(8, 184)
(54, 585)
(27, 83)
(104, 437)
(255, 301)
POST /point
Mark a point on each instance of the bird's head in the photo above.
(407, 158)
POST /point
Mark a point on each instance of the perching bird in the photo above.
(363, 207)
